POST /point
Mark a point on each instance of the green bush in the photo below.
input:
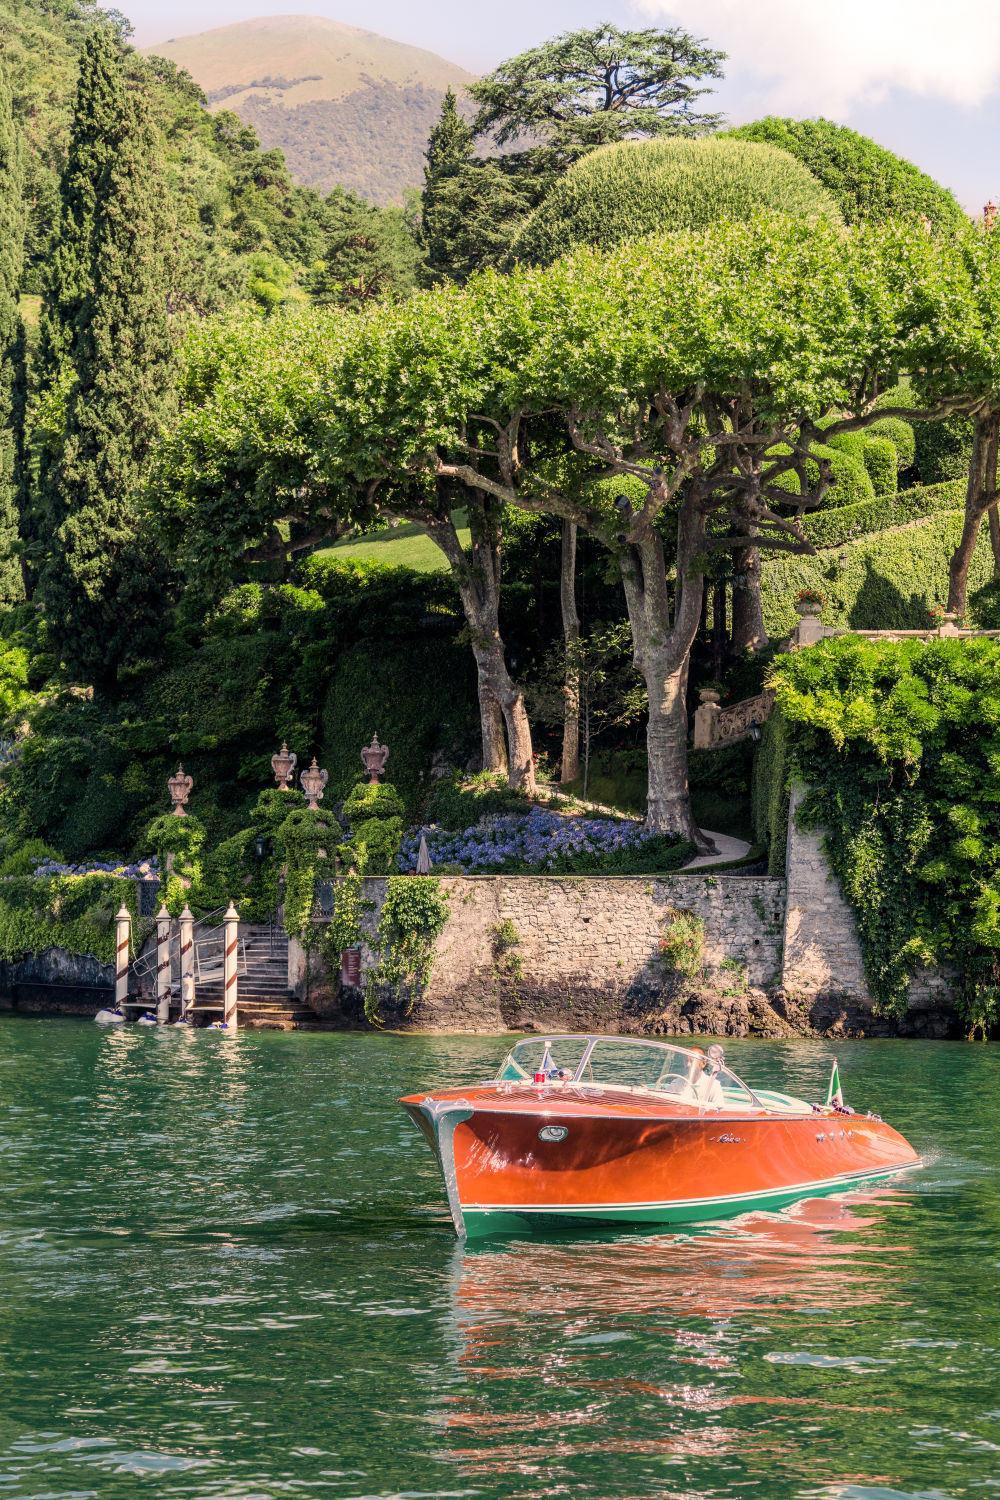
(868, 182)
(941, 449)
(877, 454)
(459, 801)
(900, 435)
(896, 742)
(831, 528)
(852, 483)
(375, 813)
(769, 792)
(417, 694)
(636, 188)
(880, 582)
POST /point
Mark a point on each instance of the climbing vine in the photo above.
(682, 946)
(899, 745)
(178, 844)
(375, 813)
(309, 840)
(75, 912)
(411, 921)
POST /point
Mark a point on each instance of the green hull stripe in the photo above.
(481, 1220)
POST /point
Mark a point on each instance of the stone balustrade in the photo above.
(715, 726)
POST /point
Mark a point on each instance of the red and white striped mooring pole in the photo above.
(123, 940)
(231, 987)
(187, 963)
(163, 966)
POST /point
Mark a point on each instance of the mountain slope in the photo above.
(344, 105)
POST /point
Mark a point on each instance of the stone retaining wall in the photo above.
(584, 951)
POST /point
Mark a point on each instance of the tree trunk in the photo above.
(748, 633)
(492, 726)
(478, 584)
(662, 656)
(982, 482)
(995, 539)
(571, 638)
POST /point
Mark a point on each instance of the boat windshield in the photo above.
(617, 1062)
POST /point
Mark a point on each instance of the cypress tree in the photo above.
(108, 342)
(11, 339)
(448, 156)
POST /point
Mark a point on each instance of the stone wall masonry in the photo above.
(586, 949)
(821, 949)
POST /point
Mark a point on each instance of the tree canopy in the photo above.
(640, 187)
(868, 182)
(697, 364)
(589, 87)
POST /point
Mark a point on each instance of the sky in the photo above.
(920, 76)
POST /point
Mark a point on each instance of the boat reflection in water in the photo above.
(666, 1348)
(590, 1130)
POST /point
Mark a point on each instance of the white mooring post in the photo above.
(163, 966)
(187, 963)
(231, 986)
(123, 940)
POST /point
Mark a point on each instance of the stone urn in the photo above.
(808, 609)
(709, 695)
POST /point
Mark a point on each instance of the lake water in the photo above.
(227, 1270)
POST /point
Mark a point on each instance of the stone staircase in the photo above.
(265, 1002)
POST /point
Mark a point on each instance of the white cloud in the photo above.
(823, 56)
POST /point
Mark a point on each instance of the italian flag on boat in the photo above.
(835, 1094)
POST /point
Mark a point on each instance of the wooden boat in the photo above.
(591, 1130)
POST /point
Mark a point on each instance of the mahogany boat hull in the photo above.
(552, 1156)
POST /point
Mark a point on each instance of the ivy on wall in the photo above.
(412, 918)
(899, 745)
(883, 582)
(75, 912)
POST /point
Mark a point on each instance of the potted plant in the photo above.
(808, 603)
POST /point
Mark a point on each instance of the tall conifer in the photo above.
(108, 336)
(11, 339)
(448, 156)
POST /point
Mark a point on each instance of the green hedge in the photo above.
(883, 582)
(853, 484)
(769, 795)
(418, 696)
(941, 450)
(868, 182)
(900, 435)
(877, 455)
(635, 188)
(831, 528)
(76, 912)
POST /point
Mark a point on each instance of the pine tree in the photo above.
(11, 340)
(102, 582)
(448, 157)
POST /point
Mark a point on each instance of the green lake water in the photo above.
(227, 1270)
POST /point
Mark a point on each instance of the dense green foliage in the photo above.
(639, 187)
(941, 449)
(75, 912)
(12, 340)
(106, 316)
(412, 918)
(897, 744)
(870, 184)
(769, 793)
(887, 580)
(591, 87)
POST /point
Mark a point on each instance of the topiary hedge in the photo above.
(941, 450)
(831, 528)
(882, 582)
(868, 182)
(635, 188)
(853, 485)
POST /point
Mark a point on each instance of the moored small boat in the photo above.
(579, 1130)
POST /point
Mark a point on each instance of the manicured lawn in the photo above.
(403, 546)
